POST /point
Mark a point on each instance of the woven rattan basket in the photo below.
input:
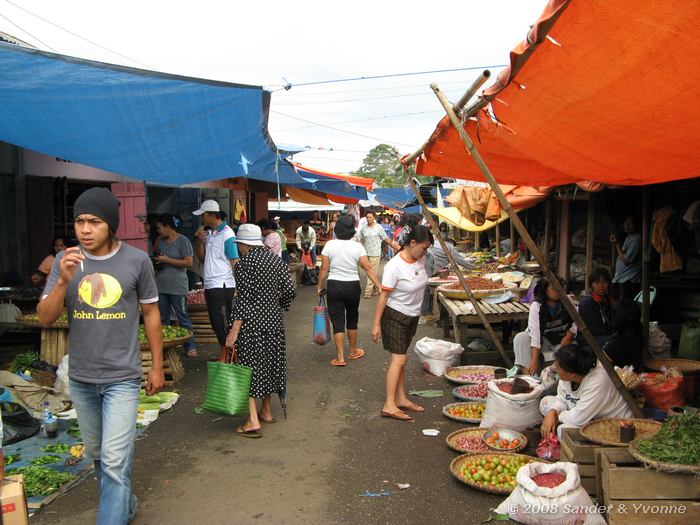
(687, 366)
(674, 468)
(607, 431)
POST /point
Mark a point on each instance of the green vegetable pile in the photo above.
(678, 441)
(23, 361)
(12, 458)
(41, 481)
(169, 332)
(58, 448)
(46, 460)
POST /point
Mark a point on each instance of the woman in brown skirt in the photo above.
(397, 314)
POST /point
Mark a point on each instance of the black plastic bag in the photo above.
(309, 276)
(18, 424)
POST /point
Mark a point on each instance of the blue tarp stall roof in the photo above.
(142, 124)
(397, 198)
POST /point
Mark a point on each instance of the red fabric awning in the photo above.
(615, 100)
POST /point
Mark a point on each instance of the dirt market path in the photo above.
(311, 468)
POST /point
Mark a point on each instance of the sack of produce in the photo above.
(62, 386)
(662, 390)
(550, 494)
(659, 343)
(513, 411)
(689, 347)
(437, 355)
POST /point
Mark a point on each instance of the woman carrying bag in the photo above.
(339, 261)
(397, 314)
(257, 325)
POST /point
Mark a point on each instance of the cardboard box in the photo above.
(13, 501)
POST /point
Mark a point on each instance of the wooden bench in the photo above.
(457, 313)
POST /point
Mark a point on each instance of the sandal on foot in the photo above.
(359, 354)
(397, 415)
(271, 420)
(412, 407)
(335, 362)
(253, 433)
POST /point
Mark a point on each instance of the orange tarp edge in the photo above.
(614, 100)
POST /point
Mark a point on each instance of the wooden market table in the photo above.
(460, 313)
(54, 339)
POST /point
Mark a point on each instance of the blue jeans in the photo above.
(313, 255)
(107, 419)
(167, 301)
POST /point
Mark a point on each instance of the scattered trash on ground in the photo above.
(431, 432)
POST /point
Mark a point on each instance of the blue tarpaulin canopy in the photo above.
(397, 198)
(141, 124)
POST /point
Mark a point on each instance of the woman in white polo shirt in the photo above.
(339, 260)
(397, 314)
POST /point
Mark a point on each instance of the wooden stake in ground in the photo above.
(532, 246)
(460, 276)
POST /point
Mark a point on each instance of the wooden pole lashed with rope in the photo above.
(536, 252)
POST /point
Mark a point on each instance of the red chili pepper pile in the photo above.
(551, 480)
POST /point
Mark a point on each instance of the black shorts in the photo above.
(397, 330)
(343, 304)
(219, 305)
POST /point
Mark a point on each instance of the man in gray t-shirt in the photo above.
(174, 256)
(102, 283)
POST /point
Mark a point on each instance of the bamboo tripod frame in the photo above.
(534, 249)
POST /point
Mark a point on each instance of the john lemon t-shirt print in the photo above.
(102, 301)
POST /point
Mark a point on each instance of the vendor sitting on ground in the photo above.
(596, 309)
(549, 327)
(585, 393)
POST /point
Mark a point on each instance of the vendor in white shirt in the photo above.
(549, 326)
(585, 393)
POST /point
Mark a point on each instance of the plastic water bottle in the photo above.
(49, 424)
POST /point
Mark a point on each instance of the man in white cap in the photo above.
(218, 251)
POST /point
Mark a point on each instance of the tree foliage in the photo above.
(380, 164)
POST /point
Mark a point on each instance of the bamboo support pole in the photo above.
(590, 231)
(457, 108)
(646, 263)
(498, 240)
(513, 247)
(566, 301)
(460, 276)
(547, 228)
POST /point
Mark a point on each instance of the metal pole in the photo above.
(646, 262)
(532, 246)
(460, 276)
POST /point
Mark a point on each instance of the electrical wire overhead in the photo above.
(77, 35)
(28, 33)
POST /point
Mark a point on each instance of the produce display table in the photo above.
(458, 314)
(54, 339)
(173, 369)
(201, 326)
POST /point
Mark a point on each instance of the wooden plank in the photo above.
(623, 477)
(581, 450)
(589, 485)
(652, 512)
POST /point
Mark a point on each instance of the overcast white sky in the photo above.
(262, 42)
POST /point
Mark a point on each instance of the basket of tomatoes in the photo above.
(504, 440)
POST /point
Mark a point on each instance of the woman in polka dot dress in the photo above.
(257, 324)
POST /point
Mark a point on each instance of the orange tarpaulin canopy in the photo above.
(364, 182)
(615, 99)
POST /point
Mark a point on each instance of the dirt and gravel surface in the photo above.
(317, 466)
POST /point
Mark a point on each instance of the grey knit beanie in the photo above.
(101, 203)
